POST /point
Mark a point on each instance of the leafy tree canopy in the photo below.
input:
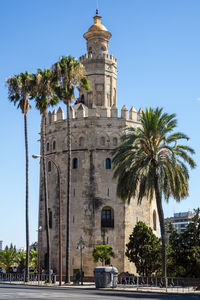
(102, 253)
(144, 250)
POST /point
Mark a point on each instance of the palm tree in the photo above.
(68, 74)
(19, 93)
(151, 163)
(8, 258)
(44, 97)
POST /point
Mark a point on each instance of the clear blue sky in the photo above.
(157, 45)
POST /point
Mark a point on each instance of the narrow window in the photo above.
(108, 192)
(49, 166)
(50, 219)
(102, 141)
(114, 141)
(75, 163)
(90, 50)
(48, 146)
(108, 163)
(81, 141)
(74, 193)
(73, 219)
(154, 220)
(54, 145)
(107, 217)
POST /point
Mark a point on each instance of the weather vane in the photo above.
(97, 10)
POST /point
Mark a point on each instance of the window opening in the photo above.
(107, 218)
(75, 163)
(49, 166)
(108, 163)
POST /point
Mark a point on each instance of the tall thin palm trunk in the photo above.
(46, 197)
(162, 228)
(67, 280)
(27, 202)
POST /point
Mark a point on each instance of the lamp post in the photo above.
(81, 246)
(60, 215)
(38, 262)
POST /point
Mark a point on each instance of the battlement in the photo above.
(102, 56)
(80, 110)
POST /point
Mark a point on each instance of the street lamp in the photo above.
(81, 246)
(38, 262)
(60, 215)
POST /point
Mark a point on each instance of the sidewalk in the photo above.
(91, 285)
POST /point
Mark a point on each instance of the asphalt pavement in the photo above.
(12, 292)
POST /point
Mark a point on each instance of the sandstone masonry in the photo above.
(96, 213)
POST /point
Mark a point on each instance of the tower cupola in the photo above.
(101, 67)
(97, 37)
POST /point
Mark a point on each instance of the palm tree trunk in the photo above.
(162, 228)
(67, 279)
(27, 203)
(43, 137)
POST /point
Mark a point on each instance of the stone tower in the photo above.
(96, 213)
(100, 66)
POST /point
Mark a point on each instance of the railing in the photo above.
(39, 279)
(169, 284)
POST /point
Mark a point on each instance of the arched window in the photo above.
(102, 141)
(54, 145)
(114, 141)
(75, 163)
(107, 217)
(48, 146)
(154, 220)
(108, 163)
(81, 141)
(49, 166)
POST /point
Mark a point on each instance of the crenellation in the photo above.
(105, 112)
(124, 112)
(54, 116)
(60, 114)
(114, 111)
(102, 56)
(133, 114)
(139, 114)
(80, 112)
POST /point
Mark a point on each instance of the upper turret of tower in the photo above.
(101, 68)
(97, 37)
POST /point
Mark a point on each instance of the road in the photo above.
(50, 293)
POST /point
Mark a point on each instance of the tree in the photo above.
(8, 258)
(150, 163)
(184, 250)
(67, 75)
(21, 260)
(33, 258)
(19, 93)
(44, 97)
(143, 249)
(102, 253)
